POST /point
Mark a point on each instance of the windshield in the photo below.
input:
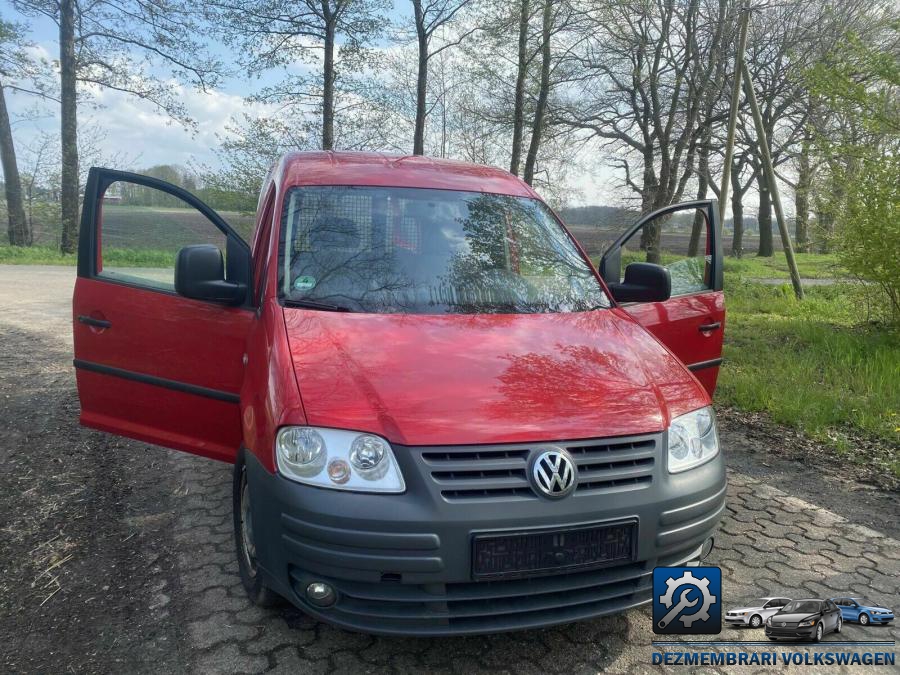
(423, 251)
(801, 607)
(863, 602)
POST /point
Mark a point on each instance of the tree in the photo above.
(859, 82)
(430, 17)
(18, 72)
(522, 63)
(275, 34)
(652, 66)
(116, 45)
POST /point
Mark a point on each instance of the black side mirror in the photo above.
(644, 282)
(200, 274)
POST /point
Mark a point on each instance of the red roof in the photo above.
(378, 169)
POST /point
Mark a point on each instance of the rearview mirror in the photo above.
(644, 282)
(200, 274)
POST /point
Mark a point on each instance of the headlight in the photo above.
(808, 623)
(769, 621)
(693, 440)
(337, 459)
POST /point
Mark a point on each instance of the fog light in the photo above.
(320, 594)
(707, 548)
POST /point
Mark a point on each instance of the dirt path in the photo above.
(116, 556)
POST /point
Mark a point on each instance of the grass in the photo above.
(816, 365)
(810, 266)
(113, 257)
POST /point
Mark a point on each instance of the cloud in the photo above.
(136, 129)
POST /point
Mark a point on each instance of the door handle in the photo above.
(91, 321)
(705, 327)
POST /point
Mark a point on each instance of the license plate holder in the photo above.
(525, 553)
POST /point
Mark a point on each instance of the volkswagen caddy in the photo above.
(443, 419)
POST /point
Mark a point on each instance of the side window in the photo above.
(141, 229)
(678, 241)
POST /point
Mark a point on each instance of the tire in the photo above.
(755, 621)
(820, 633)
(840, 625)
(864, 619)
(251, 576)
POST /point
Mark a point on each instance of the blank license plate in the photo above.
(518, 554)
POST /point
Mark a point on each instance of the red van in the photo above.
(442, 418)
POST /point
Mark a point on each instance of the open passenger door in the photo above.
(686, 240)
(151, 363)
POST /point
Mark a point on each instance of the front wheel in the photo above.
(840, 625)
(755, 621)
(251, 576)
(864, 619)
(820, 631)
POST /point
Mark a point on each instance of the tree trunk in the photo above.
(519, 102)
(19, 234)
(543, 94)
(328, 77)
(801, 198)
(737, 213)
(649, 202)
(69, 127)
(421, 80)
(765, 219)
(702, 186)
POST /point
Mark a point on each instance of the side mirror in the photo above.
(200, 274)
(644, 282)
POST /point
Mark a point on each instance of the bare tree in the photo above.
(653, 65)
(277, 34)
(114, 45)
(430, 17)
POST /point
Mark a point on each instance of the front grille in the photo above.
(501, 472)
(488, 606)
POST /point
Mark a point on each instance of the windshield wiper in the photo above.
(314, 304)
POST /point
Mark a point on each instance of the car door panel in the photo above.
(691, 324)
(151, 364)
(676, 323)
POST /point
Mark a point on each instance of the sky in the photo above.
(137, 135)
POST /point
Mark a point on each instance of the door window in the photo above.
(679, 242)
(141, 229)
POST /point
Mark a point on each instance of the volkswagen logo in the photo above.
(783, 624)
(554, 473)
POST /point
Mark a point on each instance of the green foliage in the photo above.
(869, 240)
(859, 84)
(813, 364)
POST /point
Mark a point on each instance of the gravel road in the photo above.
(116, 556)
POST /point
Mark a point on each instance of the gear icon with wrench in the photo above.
(701, 592)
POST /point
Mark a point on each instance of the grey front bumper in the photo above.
(402, 564)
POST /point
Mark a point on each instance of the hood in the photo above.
(471, 379)
(744, 609)
(795, 618)
(876, 608)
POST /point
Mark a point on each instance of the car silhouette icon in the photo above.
(756, 612)
(863, 611)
